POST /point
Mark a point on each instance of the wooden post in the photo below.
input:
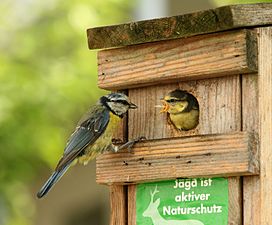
(223, 57)
(251, 185)
(257, 94)
(118, 202)
(265, 124)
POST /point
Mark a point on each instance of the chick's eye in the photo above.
(172, 100)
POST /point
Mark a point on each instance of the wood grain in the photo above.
(235, 201)
(251, 185)
(257, 117)
(118, 203)
(199, 156)
(203, 22)
(132, 204)
(198, 57)
(265, 123)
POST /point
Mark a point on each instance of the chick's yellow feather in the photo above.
(186, 120)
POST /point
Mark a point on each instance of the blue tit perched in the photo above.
(92, 136)
(182, 108)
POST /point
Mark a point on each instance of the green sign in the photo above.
(200, 201)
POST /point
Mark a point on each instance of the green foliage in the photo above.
(48, 79)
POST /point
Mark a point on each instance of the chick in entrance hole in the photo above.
(182, 109)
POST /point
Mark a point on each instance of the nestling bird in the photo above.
(93, 135)
(182, 108)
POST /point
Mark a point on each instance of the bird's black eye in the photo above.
(124, 102)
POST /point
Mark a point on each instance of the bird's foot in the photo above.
(127, 145)
(131, 143)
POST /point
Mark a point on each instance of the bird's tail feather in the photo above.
(53, 179)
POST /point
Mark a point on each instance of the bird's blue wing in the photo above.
(87, 132)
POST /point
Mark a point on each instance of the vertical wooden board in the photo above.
(265, 122)
(251, 200)
(220, 103)
(118, 203)
(250, 102)
(132, 204)
(235, 201)
(220, 112)
(250, 121)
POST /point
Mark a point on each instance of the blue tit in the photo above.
(182, 109)
(93, 135)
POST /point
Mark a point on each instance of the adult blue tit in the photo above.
(182, 109)
(92, 136)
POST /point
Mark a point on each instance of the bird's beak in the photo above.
(132, 106)
(165, 106)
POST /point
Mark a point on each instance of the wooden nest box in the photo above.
(223, 57)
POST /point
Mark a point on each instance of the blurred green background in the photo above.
(48, 80)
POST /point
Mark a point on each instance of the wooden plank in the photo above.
(250, 103)
(132, 204)
(248, 15)
(199, 156)
(203, 22)
(235, 201)
(118, 203)
(265, 123)
(198, 57)
(257, 200)
(251, 185)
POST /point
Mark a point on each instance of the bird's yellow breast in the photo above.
(103, 142)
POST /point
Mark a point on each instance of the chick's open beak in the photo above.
(165, 107)
(132, 106)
